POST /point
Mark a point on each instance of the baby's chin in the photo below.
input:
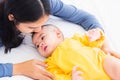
(47, 54)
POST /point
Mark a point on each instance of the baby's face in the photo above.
(46, 41)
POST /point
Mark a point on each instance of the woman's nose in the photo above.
(37, 29)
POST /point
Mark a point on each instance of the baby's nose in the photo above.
(42, 43)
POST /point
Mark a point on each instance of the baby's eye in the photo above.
(42, 38)
(37, 46)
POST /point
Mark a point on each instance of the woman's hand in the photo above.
(76, 74)
(34, 69)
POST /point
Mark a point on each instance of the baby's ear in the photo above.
(59, 33)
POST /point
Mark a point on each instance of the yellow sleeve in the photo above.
(59, 73)
(62, 76)
(85, 41)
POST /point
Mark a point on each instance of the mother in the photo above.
(26, 16)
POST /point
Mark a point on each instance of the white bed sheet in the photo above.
(108, 18)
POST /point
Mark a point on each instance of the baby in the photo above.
(79, 51)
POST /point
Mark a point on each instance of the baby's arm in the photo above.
(59, 73)
(95, 38)
(92, 38)
(76, 74)
(94, 34)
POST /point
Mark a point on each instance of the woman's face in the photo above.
(32, 26)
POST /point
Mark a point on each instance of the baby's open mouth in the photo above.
(45, 48)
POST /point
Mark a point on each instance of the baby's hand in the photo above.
(76, 74)
(93, 34)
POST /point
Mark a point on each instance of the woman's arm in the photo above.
(6, 70)
(72, 14)
(31, 68)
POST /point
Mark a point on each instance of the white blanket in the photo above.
(100, 8)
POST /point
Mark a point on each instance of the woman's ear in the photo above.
(11, 17)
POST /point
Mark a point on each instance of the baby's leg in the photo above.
(111, 66)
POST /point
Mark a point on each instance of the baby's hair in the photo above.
(48, 25)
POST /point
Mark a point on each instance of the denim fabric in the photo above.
(6, 69)
(72, 14)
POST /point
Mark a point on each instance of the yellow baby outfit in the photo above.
(78, 51)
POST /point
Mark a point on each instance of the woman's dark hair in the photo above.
(23, 11)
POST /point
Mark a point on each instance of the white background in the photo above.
(107, 12)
